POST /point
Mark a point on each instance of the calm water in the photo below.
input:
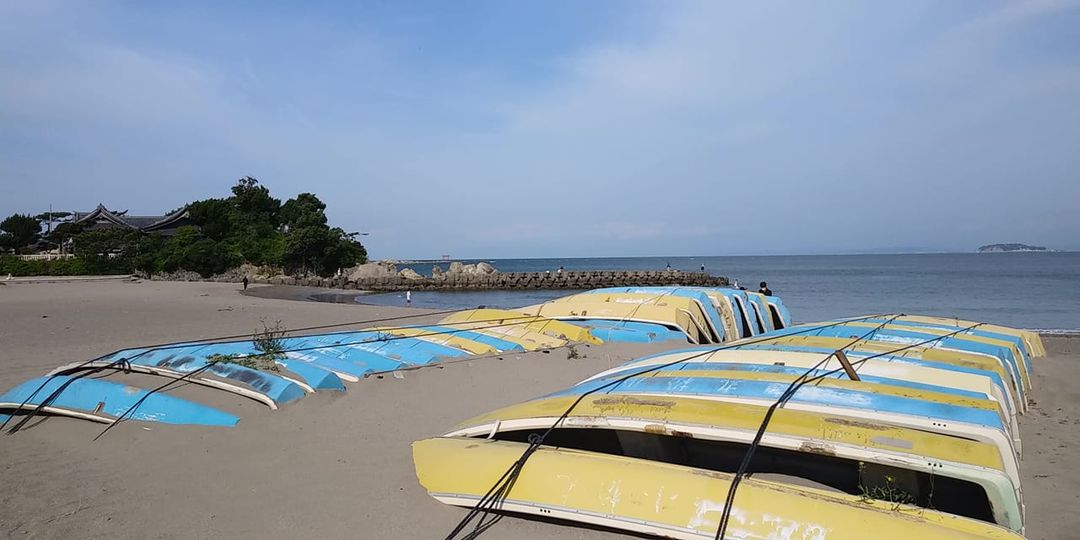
(1030, 290)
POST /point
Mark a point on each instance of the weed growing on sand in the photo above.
(572, 353)
(253, 361)
(267, 341)
(890, 492)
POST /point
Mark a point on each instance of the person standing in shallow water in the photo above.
(408, 298)
(765, 289)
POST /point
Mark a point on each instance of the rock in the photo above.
(436, 271)
(478, 269)
(409, 273)
(371, 270)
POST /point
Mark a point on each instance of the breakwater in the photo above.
(509, 281)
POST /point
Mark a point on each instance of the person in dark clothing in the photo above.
(765, 289)
(245, 281)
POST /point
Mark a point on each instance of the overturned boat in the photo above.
(702, 314)
(297, 366)
(817, 441)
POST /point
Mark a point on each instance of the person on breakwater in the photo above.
(765, 289)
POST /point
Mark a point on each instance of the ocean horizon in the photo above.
(1037, 290)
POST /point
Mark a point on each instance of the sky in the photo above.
(561, 128)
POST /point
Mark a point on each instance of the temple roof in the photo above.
(106, 217)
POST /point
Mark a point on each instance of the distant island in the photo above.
(996, 248)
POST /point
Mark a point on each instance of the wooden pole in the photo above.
(851, 373)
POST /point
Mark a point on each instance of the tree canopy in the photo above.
(19, 231)
(249, 226)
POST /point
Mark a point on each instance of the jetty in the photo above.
(508, 280)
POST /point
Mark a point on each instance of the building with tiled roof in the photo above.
(103, 218)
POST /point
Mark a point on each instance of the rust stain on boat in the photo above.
(624, 400)
(812, 447)
(855, 423)
(711, 474)
(660, 429)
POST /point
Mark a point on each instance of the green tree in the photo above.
(147, 252)
(215, 217)
(254, 203)
(248, 226)
(306, 210)
(63, 232)
(108, 250)
(61, 217)
(311, 246)
(19, 231)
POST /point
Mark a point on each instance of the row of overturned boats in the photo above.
(884, 425)
(318, 362)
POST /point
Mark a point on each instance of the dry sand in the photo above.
(330, 465)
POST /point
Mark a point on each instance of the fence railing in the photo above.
(45, 256)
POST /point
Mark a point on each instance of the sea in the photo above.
(1036, 290)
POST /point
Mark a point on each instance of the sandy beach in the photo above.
(332, 465)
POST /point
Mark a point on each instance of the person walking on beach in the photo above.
(408, 298)
(765, 289)
(245, 282)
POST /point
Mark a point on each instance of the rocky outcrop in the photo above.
(233, 275)
(372, 270)
(409, 273)
(478, 269)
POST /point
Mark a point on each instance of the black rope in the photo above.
(140, 401)
(501, 489)
(126, 362)
(122, 362)
(790, 392)
(299, 349)
(786, 395)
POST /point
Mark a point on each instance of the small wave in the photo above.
(1056, 331)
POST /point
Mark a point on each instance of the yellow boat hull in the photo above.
(671, 311)
(1008, 442)
(1032, 340)
(669, 500)
(1021, 365)
(449, 340)
(907, 372)
(503, 321)
(945, 356)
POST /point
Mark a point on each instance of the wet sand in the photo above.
(332, 465)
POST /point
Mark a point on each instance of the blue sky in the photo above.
(528, 129)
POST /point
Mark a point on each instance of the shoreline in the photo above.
(306, 294)
(272, 474)
(349, 297)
